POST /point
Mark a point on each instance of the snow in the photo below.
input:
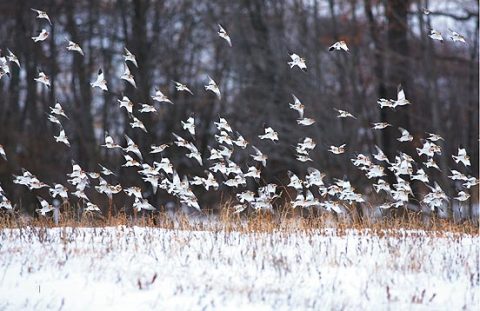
(120, 268)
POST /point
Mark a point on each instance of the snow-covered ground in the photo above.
(136, 268)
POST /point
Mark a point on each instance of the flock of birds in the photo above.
(222, 170)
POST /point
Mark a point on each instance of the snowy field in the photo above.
(124, 268)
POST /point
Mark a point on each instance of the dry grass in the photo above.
(284, 220)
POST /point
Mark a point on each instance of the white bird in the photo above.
(100, 82)
(380, 125)
(140, 204)
(259, 156)
(4, 68)
(240, 141)
(160, 97)
(306, 121)
(134, 191)
(146, 108)
(62, 138)
(420, 175)
(72, 46)
(297, 61)
(42, 15)
(136, 123)
(91, 207)
(129, 57)
(126, 103)
(132, 147)
(189, 125)
(182, 87)
(59, 190)
(462, 157)
(2, 153)
(314, 178)
(158, 149)
(46, 207)
(54, 119)
(344, 114)
(269, 134)
(338, 46)
(456, 37)
(401, 99)
(223, 34)
(130, 162)
(337, 150)
(109, 143)
(436, 35)
(212, 86)
(386, 103)
(222, 124)
(105, 171)
(13, 58)
(380, 155)
(462, 196)
(58, 110)
(406, 136)
(297, 105)
(43, 79)
(42, 36)
(127, 76)
(456, 175)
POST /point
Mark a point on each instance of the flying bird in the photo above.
(43, 79)
(100, 82)
(129, 57)
(297, 61)
(223, 34)
(72, 46)
(42, 36)
(182, 87)
(42, 15)
(212, 86)
(127, 76)
(339, 46)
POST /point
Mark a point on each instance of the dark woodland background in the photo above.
(177, 40)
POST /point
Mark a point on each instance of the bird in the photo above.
(462, 196)
(129, 57)
(420, 175)
(46, 207)
(269, 134)
(100, 82)
(58, 190)
(42, 15)
(305, 121)
(160, 97)
(182, 87)
(109, 142)
(297, 61)
(91, 207)
(456, 37)
(72, 46)
(127, 76)
(436, 35)
(130, 162)
(62, 138)
(42, 36)
(406, 136)
(401, 99)
(344, 114)
(380, 125)
(158, 149)
(297, 105)
(462, 157)
(105, 171)
(132, 147)
(146, 108)
(337, 150)
(434, 137)
(13, 58)
(2, 153)
(58, 110)
(126, 103)
(43, 79)
(136, 123)
(189, 125)
(224, 35)
(259, 156)
(338, 46)
(213, 87)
